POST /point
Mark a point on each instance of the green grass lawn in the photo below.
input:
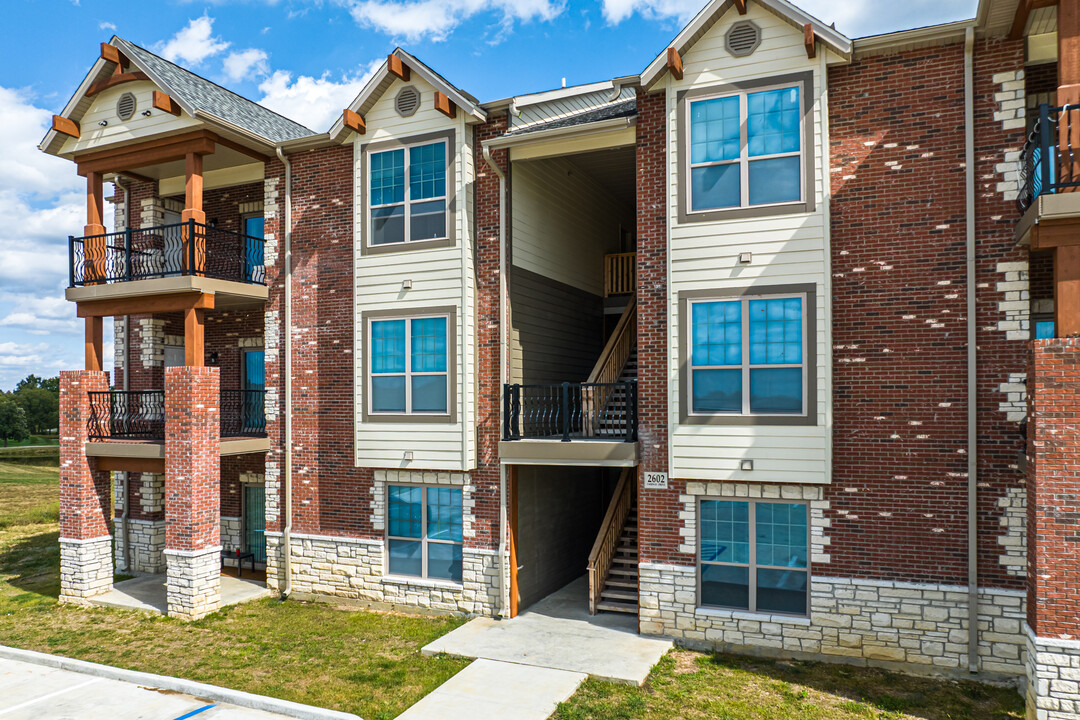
(370, 663)
(33, 440)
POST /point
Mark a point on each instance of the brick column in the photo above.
(1053, 502)
(86, 562)
(192, 491)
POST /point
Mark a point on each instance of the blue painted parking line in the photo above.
(204, 708)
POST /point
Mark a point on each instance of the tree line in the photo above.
(32, 408)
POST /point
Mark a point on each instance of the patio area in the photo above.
(147, 593)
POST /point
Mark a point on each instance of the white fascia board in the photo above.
(560, 93)
(338, 128)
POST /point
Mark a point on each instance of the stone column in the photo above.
(86, 564)
(1053, 506)
(192, 491)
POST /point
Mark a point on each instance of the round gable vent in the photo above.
(125, 106)
(743, 38)
(407, 101)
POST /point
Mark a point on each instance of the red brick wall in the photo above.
(85, 500)
(192, 459)
(898, 493)
(231, 467)
(658, 510)
(1053, 489)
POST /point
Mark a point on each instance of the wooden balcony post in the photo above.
(193, 337)
(94, 230)
(193, 210)
(94, 347)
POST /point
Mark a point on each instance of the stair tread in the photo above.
(620, 582)
(627, 595)
(612, 606)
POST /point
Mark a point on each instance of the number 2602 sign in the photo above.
(655, 481)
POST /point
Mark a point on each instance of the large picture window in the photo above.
(746, 149)
(409, 360)
(748, 356)
(408, 194)
(754, 556)
(424, 537)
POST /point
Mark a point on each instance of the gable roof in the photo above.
(381, 81)
(199, 97)
(716, 9)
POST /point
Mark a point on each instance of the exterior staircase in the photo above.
(613, 418)
(620, 591)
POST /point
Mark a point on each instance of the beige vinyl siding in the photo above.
(787, 250)
(438, 277)
(93, 135)
(563, 223)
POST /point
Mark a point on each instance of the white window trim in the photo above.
(753, 566)
(744, 146)
(407, 202)
(408, 374)
(424, 540)
(745, 366)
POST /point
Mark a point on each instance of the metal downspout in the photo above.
(972, 351)
(127, 385)
(286, 344)
(504, 611)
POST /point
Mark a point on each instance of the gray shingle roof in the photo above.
(623, 108)
(201, 94)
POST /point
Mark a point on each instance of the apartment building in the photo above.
(774, 340)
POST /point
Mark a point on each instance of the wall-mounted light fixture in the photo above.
(746, 464)
(213, 361)
(146, 113)
(406, 284)
(103, 123)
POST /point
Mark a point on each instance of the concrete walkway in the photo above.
(147, 593)
(559, 633)
(30, 691)
(528, 665)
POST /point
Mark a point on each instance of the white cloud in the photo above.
(313, 102)
(434, 20)
(106, 25)
(194, 43)
(241, 64)
(615, 11)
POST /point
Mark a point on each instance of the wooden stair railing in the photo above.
(609, 366)
(607, 540)
(620, 272)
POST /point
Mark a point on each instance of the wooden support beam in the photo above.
(64, 126)
(353, 121)
(151, 152)
(130, 464)
(193, 182)
(94, 345)
(1067, 290)
(809, 40)
(137, 176)
(172, 302)
(114, 80)
(674, 63)
(1020, 19)
(515, 592)
(167, 104)
(740, 5)
(445, 105)
(397, 68)
(194, 353)
(111, 53)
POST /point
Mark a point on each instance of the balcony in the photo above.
(184, 257)
(1048, 201)
(570, 424)
(131, 423)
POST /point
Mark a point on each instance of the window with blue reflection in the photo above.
(424, 532)
(409, 365)
(388, 366)
(408, 194)
(715, 132)
(776, 338)
(387, 177)
(772, 122)
(1044, 329)
(716, 330)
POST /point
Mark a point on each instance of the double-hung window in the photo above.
(746, 149)
(408, 366)
(748, 356)
(753, 556)
(424, 536)
(408, 194)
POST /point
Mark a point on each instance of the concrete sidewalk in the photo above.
(37, 686)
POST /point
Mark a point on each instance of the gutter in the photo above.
(600, 126)
(972, 356)
(286, 342)
(504, 364)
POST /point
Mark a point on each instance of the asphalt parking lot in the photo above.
(35, 692)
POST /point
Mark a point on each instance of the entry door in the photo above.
(253, 248)
(254, 401)
(255, 521)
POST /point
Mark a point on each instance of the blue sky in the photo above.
(306, 59)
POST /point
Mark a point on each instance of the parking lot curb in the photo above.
(173, 684)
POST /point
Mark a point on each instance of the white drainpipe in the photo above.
(286, 345)
(972, 366)
(127, 385)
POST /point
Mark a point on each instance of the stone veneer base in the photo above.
(1053, 670)
(193, 587)
(908, 626)
(147, 546)
(86, 568)
(353, 568)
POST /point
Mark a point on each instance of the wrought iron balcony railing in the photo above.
(187, 248)
(1050, 160)
(571, 411)
(140, 414)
